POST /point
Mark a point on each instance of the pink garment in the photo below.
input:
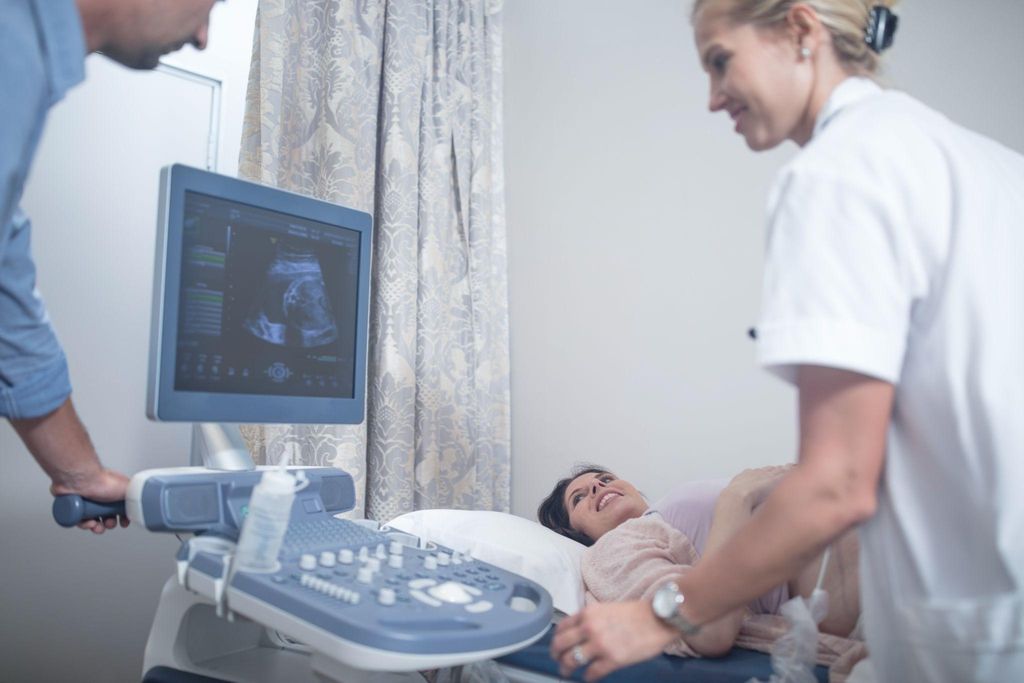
(689, 509)
(633, 560)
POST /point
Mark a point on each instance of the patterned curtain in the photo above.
(394, 107)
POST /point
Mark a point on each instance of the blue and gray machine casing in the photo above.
(326, 607)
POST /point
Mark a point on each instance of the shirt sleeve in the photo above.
(837, 289)
(34, 377)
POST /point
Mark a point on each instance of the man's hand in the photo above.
(608, 637)
(103, 486)
(59, 443)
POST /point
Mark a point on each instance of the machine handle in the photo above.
(70, 509)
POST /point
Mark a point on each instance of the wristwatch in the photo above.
(665, 604)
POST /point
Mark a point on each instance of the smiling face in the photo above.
(598, 502)
(758, 77)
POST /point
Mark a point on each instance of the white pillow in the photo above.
(512, 543)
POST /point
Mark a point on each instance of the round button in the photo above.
(386, 596)
(327, 559)
(307, 562)
(345, 556)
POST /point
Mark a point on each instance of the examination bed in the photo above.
(315, 618)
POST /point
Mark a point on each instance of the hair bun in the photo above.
(881, 28)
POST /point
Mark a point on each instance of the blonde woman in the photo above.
(893, 301)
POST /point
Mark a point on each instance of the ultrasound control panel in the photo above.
(375, 598)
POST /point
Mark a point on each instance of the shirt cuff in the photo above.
(37, 394)
(840, 344)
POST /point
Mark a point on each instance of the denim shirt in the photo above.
(42, 56)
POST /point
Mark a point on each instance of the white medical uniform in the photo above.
(896, 250)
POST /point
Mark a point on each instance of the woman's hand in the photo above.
(609, 636)
(754, 485)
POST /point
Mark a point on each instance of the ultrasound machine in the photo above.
(260, 314)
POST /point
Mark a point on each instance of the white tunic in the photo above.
(896, 250)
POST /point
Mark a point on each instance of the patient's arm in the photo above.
(732, 510)
(633, 560)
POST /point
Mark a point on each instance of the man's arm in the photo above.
(844, 418)
(62, 447)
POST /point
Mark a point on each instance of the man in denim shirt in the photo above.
(43, 44)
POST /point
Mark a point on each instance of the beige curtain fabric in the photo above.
(394, 107)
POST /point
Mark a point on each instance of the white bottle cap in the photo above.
(277, 481)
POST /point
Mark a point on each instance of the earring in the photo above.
(805, 52)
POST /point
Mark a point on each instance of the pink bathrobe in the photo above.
(633, 560)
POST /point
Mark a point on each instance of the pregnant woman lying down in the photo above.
(636, 547)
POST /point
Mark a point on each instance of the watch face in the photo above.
(664, 602)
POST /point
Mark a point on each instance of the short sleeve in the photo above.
(836, 286)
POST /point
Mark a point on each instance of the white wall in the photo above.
(635, 232)
(75, 607)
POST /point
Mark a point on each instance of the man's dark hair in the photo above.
(552, 512)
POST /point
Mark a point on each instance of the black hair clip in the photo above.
(881, 28)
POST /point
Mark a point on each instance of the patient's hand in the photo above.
(609, 636)
(754, 486)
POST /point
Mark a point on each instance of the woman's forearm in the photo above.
(732, 511)
(844, 418)
(788, 531)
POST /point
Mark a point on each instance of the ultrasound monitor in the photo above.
(260, 305)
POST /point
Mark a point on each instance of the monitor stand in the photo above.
(219, 446)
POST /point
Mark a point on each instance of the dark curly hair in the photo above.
(552, 512)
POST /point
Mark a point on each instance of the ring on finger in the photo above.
(578, 657)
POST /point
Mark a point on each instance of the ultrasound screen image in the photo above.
(268, 302)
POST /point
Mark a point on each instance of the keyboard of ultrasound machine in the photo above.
(375, 587)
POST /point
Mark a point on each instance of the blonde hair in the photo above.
(846, 21)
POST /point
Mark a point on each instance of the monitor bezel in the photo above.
(164, 402)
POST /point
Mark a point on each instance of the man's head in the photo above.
(137, 33)
(589, 503)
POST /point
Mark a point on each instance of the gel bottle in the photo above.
(263, 530)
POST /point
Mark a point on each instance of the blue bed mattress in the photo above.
(736, 667)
